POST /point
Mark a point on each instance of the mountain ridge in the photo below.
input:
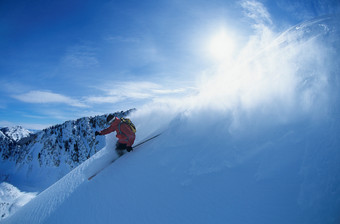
(62, 147)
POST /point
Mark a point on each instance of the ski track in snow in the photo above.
(276, 163)
(62, 189)
(271, 179)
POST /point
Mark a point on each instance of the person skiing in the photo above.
(125, 134)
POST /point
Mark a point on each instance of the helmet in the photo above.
(110, 118)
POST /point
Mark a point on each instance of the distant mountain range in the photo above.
(15, 133)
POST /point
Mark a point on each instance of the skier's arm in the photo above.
(107, 130)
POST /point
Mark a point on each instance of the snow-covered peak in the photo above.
(16, 133)
(2, 135)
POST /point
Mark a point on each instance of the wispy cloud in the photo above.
(47, 97)
(137, 50)
(80, 56)
(115, 39)
(257, 11)
(102, 99)
(2, 105)
(137, 90)
(121, 91)
(303, 10)
(283, 76)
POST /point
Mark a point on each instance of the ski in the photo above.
(95, 174)
(134, 147)
(141, 143)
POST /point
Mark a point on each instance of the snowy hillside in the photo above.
(11, 199)
(287, 174)
(34, 161)
(265, 150)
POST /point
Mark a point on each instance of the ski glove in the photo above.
(129, 148)
(96, 133)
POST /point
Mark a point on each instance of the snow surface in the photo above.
(36, 162)
(287, 175)
(11, 199)
(266, 151)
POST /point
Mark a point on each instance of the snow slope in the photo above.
(265, 150)
(288, 175)
(11, 199)
(35, 162)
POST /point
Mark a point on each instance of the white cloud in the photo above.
(47, 97)
(169, 91)
(124, 91)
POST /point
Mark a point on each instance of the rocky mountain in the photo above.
(52, 151)
(9, 136)
(5, 142)
(15, 133)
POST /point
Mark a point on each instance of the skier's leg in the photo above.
(120, 148)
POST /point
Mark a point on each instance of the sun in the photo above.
(221, 45)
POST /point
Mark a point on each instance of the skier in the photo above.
(125, 134)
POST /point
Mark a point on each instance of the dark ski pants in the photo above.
(120, 148)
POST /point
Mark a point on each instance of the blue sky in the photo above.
(62, 60)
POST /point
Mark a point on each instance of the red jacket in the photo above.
(124, 133)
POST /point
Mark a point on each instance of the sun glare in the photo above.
(221, 46)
